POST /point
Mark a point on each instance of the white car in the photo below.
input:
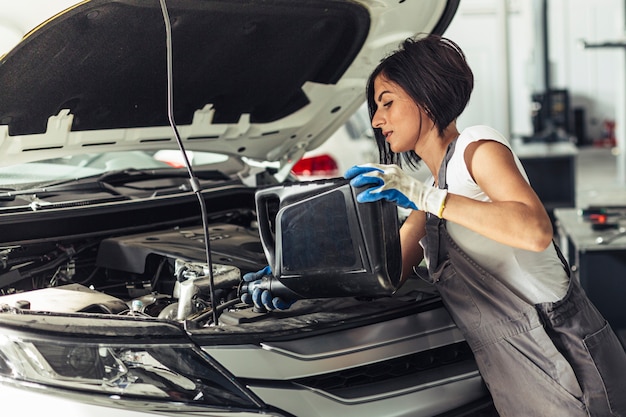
(141, 143)
(352, 144)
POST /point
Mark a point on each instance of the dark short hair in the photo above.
(435, 74)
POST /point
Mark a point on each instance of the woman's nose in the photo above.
(376, 120)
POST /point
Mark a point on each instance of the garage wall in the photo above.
(593, 75)
(501, 41)
(479, 28)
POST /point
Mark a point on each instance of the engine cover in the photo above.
(230, 244)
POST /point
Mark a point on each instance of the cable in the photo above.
(203, 314)
(195, 185)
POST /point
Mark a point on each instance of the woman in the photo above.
(541, 346)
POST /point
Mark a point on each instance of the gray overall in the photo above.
(550, 359)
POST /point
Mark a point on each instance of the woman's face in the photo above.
(399, 118)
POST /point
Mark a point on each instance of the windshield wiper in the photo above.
(132, 175)
(108, 181)
(56, 188)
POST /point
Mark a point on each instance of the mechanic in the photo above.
(541, 346)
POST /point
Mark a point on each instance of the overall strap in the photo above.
(441, 180)
(435, 251)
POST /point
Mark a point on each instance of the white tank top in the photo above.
(536, 277)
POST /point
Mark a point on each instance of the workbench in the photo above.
(597, 258)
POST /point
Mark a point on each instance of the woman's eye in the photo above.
(387, 104)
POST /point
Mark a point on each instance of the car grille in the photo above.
(390, 369)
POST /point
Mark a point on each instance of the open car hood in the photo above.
(267, 80)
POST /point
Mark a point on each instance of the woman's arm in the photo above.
(515, 217)
(412, 230)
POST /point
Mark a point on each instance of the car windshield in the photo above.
(75, 167)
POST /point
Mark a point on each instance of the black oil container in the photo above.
(320, 242)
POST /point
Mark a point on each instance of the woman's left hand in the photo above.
(390, 183)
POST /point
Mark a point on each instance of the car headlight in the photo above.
(153, 368)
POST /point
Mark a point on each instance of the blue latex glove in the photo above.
(259, 294)
(389, 182)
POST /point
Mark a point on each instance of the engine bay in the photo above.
(160, 273)
(151, 262)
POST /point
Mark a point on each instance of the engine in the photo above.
(158, 274)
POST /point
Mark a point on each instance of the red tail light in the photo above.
(321, 165)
